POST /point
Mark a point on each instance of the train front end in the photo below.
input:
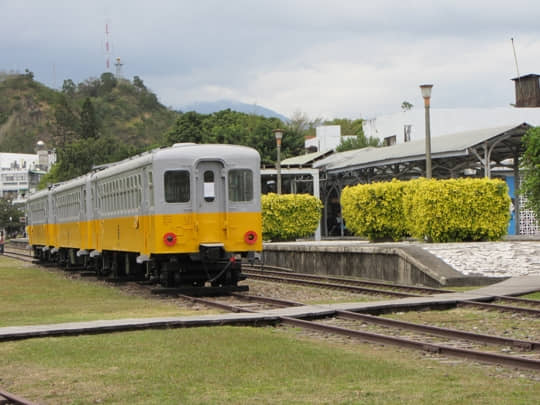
(207, 214)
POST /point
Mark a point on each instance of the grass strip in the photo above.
(242, 365)
(31, 295)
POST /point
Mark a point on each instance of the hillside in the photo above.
(124, 111)
(220, 105)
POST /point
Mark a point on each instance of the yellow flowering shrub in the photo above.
(435, 210)
(375, 210)
(290, 216)
(457, 209)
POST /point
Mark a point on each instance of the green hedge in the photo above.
(435, 210)
(375, 210)
(458, 209)
(290, 216)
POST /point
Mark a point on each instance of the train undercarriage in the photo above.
(211, 271)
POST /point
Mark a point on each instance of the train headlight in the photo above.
(169, 239)
(250, 237)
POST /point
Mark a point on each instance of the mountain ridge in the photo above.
(209, 107)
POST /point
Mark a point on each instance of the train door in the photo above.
(211, 201)
(145, 219)
(83, 219)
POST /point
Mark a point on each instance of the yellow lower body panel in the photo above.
(148, 234)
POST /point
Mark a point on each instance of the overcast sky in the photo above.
(328, 59)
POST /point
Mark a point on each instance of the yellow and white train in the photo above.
(180, 216)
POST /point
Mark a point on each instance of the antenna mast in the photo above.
(107, 48)
(515, 56)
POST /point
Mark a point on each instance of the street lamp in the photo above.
(426, 93)
(278, 133)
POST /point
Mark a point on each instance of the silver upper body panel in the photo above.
(149, 170)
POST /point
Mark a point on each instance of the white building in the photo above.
(446, 121)
(20, 172)
(327, 138)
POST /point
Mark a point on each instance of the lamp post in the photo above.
(426, 93)
(278, 133)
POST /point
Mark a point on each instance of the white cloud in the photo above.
(339, 58)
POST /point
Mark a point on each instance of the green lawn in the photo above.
(242, 365)
(218, 365)
(533, 296)
(31, 295)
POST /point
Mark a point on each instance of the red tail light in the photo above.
(250, 237)
(169, 239)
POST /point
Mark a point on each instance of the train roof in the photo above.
(189, 153)
(194, 152)
(37, 195)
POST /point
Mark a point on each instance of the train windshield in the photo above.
(177, 186)
(240, 185)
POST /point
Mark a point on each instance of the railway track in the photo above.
(367, 285)
(238, 302)
(456, 343)
(353, 285)
(307, 281)
(18, 253)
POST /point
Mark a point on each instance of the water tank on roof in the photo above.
(527, 91)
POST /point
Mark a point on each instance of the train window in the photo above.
(176, 186)
(240, 185)
(151, 189)
(209, 186)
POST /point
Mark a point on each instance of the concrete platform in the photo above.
(511, 287)
(434, 265)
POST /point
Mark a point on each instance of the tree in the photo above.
(108, 82)
(301, 125)
(89, 125)
(348, 126)
(232, 127)
(358, 143)
(530, 162)
(66, 124)
(406, 106)
(69, 87)
(188, 128)
(353, 127)
(10, 217)
(79, 157)
(138, 83)
(29, 74)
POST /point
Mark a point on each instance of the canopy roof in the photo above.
(497, 143)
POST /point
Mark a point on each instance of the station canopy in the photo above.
(475, 152)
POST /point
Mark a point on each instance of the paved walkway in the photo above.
(490, 259)
(513, 286)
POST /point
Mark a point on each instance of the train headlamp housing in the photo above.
(169, 239)
(250, 237)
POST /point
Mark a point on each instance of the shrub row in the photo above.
(290, 216)
(435, 210)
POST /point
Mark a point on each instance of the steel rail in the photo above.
(518, 300)
(212, 303)
(350, 280)
(445, 332)
(429, 347)
(344, 287)
(268, 300)
(498, 307)
(411, 344)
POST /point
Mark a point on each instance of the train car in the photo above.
(40, 216)
(181, 216)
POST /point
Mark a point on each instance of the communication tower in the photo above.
(107, 48)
